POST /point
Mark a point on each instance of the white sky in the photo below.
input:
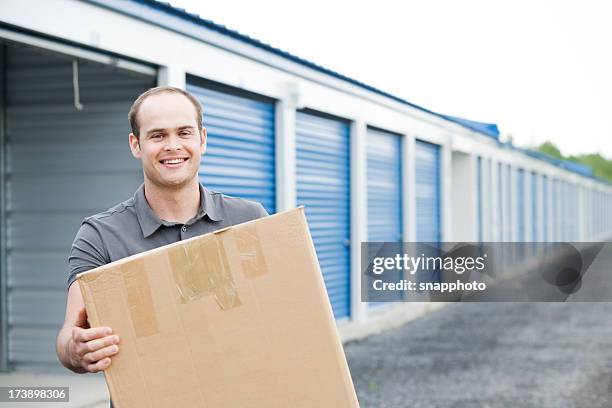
(539, 69)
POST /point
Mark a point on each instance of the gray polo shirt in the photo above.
(132, 227)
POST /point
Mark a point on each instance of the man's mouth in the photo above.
(174, 161)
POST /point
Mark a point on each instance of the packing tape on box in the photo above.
(196, 275)
(139, 297)
(250, 251)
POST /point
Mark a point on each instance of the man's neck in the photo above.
(174, 205)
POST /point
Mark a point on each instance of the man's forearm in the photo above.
(61, 348)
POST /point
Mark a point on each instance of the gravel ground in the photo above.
(490, 355)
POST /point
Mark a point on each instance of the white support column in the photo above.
(409, 188)
(286, 194)
(172, 75)
(446, 205)
(359, 214)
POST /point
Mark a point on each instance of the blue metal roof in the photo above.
(489, 129)
(565, 164)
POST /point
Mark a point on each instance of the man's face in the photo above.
(170, 144)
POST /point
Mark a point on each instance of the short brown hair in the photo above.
(133, 115)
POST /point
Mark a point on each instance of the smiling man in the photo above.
(171, 205)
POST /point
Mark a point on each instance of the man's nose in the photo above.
(173, 142)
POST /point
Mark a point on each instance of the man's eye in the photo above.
(156, 136)
(185, 133)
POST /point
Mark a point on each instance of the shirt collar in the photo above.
(150, 222)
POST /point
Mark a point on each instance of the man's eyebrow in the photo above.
(156, 130)
(164, 129)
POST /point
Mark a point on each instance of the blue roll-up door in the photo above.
(555, 211)
(508, 200)
(323, 188)
(500, 206)
(384, 187)
(545, 223)
(479, 198)
(534, 208)
(384, 191)
(520, 205)
(489, 198)
(428, 192)
(564, 211)
(573, 218)
(239, 158)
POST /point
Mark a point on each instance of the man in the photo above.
(171, 205)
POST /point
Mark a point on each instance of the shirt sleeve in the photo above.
(262, 211)
(88, 251)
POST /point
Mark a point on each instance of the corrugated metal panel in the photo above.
(428, 192)
(534, 208)
(508, 221)
(565, 211)
(323, 187)
(571, 211)
(384, 190)
(594, 225)
(545, 223)
(384, 187)
(520, 205)
(239, 159)
(600, 211)
(62, 165)
(594, 213)
(500, 207)
(479, 198)
(575, 215)
(489, 198)
(554, 212)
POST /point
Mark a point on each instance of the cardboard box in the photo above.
(236, 318)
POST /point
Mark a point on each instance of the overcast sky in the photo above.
(539, 69)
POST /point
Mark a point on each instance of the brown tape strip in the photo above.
(251, 253)
(139, 297)
(187, 271)
(200, 268)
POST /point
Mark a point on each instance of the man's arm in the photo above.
(81, 348)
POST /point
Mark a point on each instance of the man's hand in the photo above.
(79, 347)
(91, 349)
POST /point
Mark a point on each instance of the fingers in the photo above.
(98, 355)
(84, 335)
(95, 345)
(99, 366)
(92, 348)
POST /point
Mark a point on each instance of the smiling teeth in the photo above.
(174, 161)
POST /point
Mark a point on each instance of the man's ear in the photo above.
(135, 146)
(203, 141)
